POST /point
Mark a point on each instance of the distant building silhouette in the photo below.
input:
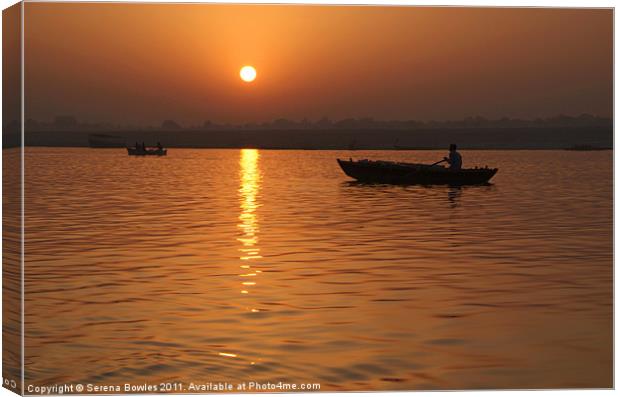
(70, 123)
(170, 125)
(65, 122)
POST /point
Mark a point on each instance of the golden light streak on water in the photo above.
(249, 175)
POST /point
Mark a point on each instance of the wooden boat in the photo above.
(409, 173)
(132, 151)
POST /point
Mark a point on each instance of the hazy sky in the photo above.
(142, 63)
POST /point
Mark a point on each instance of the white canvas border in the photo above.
(478, 3)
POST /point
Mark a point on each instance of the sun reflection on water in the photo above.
(248, 198)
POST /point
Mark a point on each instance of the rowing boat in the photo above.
(147, 152)
(410, 173)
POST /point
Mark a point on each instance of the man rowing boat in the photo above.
(454, 158)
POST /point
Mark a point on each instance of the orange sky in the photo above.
(142, 63)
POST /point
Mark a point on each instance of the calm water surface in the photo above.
(253, 265)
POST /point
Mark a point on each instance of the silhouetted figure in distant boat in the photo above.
(143, 147)
(159, 146)
(137, 146)
(454, 158)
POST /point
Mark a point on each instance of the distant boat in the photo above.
(105, 141)
(132, 151)
(410, 173)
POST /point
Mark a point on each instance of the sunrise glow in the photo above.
(248, 74)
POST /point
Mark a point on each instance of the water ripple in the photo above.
(273, 265)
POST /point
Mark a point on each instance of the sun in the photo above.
(247, 73)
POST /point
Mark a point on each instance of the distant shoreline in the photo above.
(555, 138)
(463, 149)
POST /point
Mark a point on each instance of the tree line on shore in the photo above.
(71, 123)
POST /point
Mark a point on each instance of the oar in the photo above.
(439, 162)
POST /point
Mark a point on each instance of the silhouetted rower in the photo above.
(454, 158)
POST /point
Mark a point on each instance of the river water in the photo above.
(267, 266)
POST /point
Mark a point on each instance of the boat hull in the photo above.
(153, 152)
(414, 174)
